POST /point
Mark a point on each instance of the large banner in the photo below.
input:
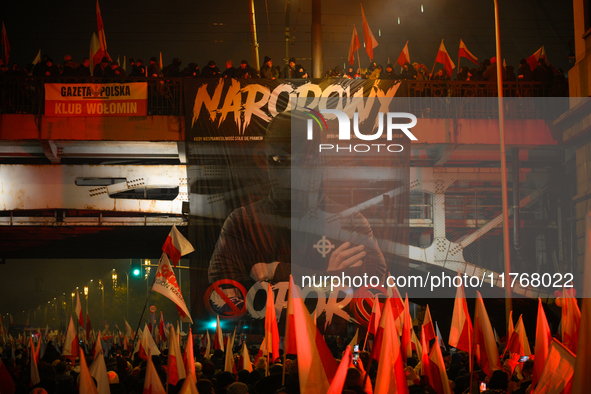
(267, 202)
(92, 99)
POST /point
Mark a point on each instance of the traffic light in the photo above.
(136, 267)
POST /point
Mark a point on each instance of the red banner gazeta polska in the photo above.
(93, 99)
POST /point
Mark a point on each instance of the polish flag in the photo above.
(290, 340)
(71, 341)
(464, 52)
(543, 339)
(176, 245)
(390, 378)
(571, 319)
(161, 328)
(404, 56)
(488, 355)
(146, 345)
(79, 310)
(510, 327)
(374, 319)
(438, 377)
(443, 58)
(518, 343)
(271, 328)
(165, 283)
(98, 370)
(428, 324)
(152, 383)
(229, 365)
(176, 368)
(219, 337)
(128, 330)
(355, 45)
(316, 364)
(582, 377)
(189, 358)
(246, 364)
(557, 375)
(425, 368)
(96, 53)
(397, 307)
(98, 348)
(207, 345)
(35, 379)
(533, 59)
(189, 386)
(461, 333)
(101, 31)
(338, 382)
(370, 40)
(405, 339)
(86, 385)
(5, 44)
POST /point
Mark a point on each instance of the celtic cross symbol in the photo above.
(323, 246)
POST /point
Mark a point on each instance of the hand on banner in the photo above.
(345, 256)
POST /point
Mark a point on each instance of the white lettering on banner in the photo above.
(111, 108)
(259, 96)
(328, 305)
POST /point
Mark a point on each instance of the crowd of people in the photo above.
(486, 70)
(59, 374)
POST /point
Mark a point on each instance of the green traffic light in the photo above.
(136, 272)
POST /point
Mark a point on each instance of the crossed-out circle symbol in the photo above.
(236, 312)
(323, 246)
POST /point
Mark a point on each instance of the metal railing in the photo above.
(427, 99)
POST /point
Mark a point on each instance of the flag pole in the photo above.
(506, 250)
(359, 61)
(142, 316)
(365, 342)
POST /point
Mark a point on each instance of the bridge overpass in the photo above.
(111, 187)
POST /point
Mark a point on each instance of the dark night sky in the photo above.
(200, 31)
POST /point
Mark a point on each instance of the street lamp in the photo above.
(114, 277)
(127, 277)
(102, 288)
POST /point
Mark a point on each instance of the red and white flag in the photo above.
(207, 345)
(79, 314)
(96, 53)
(558, 372)
(35, 379)
(5, 45)
(425, 368)
(375, 317)
(146, 345)
(438, 376)
(152, 383)
(488, 355)
(101, 31)
(162, 329)
(518, 343)
(229, 365)
(98, 370)
(271, 328)
(176, 245)
(543, 339)
(405, 338)
(128, 330)
(510, 327)
(464, 52)
(390, 378)
(338, 382)
(98, 347)
(428, 325)
(176, 368)
(71, 341)
(571, 319)
(189, 358)
(443, 58)
(316, 364)
(86, 385)
(370, 40)
(246, 364)
(461, 332)
(532, 60)
(189, 386)
(404, 56)
(165, 283)
(219, 336)
(355, 45)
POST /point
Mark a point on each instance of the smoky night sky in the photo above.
(198, 31)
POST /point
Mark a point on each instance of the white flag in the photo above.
(165, 283)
